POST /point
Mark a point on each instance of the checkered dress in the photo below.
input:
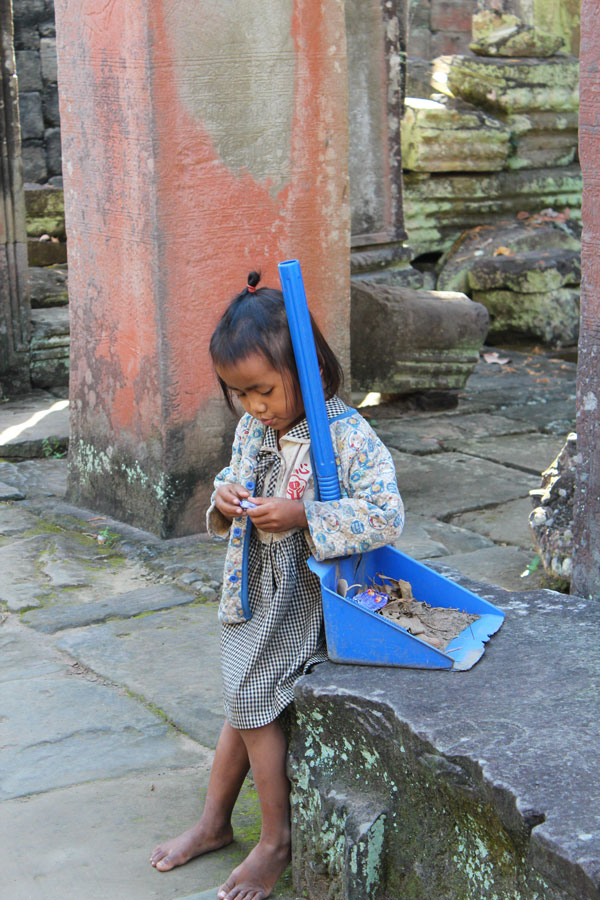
(263, 658)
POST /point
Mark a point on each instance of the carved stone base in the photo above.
(405, 341)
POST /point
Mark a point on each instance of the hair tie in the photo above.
(250, 288)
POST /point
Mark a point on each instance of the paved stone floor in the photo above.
(109, 678)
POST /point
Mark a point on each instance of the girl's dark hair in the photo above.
(255, 322)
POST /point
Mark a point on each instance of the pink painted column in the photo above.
(200, 140)
(586, 570)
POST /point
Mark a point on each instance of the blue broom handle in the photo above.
(311, 385)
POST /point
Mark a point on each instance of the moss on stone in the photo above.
(442, 833)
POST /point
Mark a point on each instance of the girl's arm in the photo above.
(372, 513)
(227, 487)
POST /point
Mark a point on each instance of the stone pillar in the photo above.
(586, 570)
(376, 33)
(200, 140)
(14, 299)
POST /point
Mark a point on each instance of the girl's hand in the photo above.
(277, 514)
(227, 500)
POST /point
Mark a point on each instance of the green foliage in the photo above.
(51, 448)
(108, 538)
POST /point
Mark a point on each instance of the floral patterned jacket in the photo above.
(369, 514)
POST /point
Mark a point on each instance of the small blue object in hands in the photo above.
(246, 504)
(371, 599)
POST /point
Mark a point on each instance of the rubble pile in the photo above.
(494, 135)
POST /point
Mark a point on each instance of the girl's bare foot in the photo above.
(186, 846)
(255, 878)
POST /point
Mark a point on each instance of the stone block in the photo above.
(439, 208)
(194, 703)
(50, 345)
(418, 75)
(47, 29)
(419, 45)
(48, 324)
(419, 14)
(510, 86)
(452, 15)
(381, 259)
(48, 59)
(450, 137)
(46, 253)
(487, 21)
(529, 272)
(53, 151)
(452, 483)
(29, 71)
(45, 211)
(58, 617)
(542, 139)
(7, 492)
(30, 111)
(48, 286)
(457, 799)
(34, 162)
(511, 239)
(405, 341)
(27, 37)
(497, 34)
(50, 105)
(446, 43)
(29, 12)
(563, 19)
(551, 317)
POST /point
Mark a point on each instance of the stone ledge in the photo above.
(483, 783)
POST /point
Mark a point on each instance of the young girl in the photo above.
(271, 614)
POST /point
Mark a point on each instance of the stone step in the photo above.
(33, 426)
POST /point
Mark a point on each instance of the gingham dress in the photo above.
(263, 658)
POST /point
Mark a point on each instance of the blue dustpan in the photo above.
(355, 634)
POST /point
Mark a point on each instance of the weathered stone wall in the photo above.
(35, 51)
(439, 27)
(376, 36)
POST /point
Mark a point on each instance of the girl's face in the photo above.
(264, 392)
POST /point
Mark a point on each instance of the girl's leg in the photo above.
(255, 878)
(230, 767)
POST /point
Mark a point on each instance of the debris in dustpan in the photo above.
(393, 598)
(436, 625)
